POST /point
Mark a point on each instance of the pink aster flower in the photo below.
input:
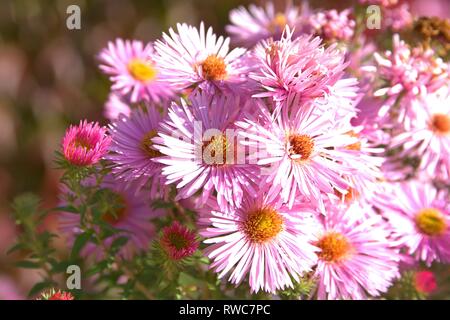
(201, 152)
(303, 66)
(409, 72)
(250, 26)
(429, 134)
(191, 57)
(178, 241)
(420, 218)
(132, 218)
(332, 25)
(266, 240)
(116, 106)
(305, 150)
(133, 71)
(356, 257)
(132, 151)
(398, 17)
(85, 144)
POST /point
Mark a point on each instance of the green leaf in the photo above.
(70, 209)
(28, 264)
(119, 243)
(97, 268)
(16, 247)
(81, 240)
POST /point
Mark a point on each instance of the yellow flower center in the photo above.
(142, 70)
(215, 151)
(262, 224)
(278, 23)
(119, 213)
(440, 123)
(147, 145)
(301, 145)
(214, 68)
(431, 222)
(335, 247)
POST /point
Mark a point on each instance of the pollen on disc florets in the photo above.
(262, 225)
(301, 146)
(214, 68)
(335, 247)
(215, 151)
(440, 123)
(146, 144)
(141, 70)
(431, 222)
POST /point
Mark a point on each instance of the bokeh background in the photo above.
(49, 79)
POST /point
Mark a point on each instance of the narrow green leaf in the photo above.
(118, 243)
(81, 240)
(16, 247)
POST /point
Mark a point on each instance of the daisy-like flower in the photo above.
(356, 257)
(257, 23)
(305, 150)
(261, 238)
(178, 241)
(132, 217)
(429, 135)
(302, 65)
(133, 71)
(85, 144)
(201, 150)
(191, 57)
(332, 25)
(420, 219)
(132, 151)
(409, 72)
(115, 106)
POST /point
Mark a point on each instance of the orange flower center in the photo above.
(262, 224)
(141, 70)
(214, 68)
(440, 123)
(431, 222)
(146, 145)
(335, 247)
(301, 145)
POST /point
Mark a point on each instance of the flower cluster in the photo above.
(291, 167)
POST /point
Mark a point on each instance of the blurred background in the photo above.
(49, 79)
